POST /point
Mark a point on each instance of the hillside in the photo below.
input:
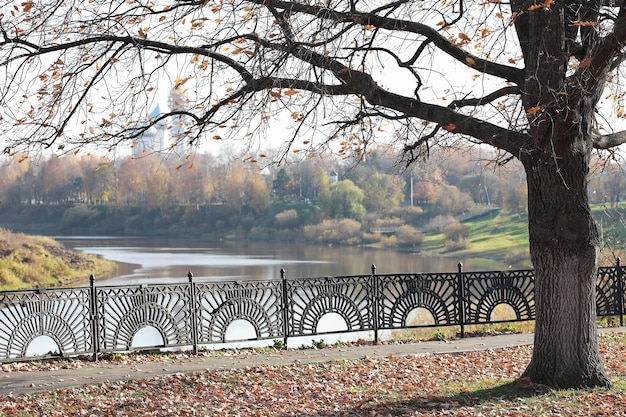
(33, 261)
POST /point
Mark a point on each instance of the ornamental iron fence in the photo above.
(94, 319)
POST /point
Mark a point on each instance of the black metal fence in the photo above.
(99, 319)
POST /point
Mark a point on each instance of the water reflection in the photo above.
(169, 260)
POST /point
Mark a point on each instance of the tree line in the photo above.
(327, 200)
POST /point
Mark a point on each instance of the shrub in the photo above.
(407, 236)
(334, 231)
(78, 216)
(287, 219)
(456, 232)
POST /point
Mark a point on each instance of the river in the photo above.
(158, 260)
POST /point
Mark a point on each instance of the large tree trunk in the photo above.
(564, 248)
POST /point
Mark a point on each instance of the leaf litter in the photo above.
(482, 383)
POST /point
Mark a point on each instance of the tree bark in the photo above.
(564, 247)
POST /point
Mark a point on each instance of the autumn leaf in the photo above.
(464, 37)
(585, 62)
(27, 6)
(290, 92)
(533, 110)
(470, 61)
(450, 127)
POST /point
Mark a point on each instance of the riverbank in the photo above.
(36, 261)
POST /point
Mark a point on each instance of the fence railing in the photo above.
(99, 319)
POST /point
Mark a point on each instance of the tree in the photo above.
(282, 184)
(342, 200)
(383, 192)
(528, 78)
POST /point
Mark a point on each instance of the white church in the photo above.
(165, 135)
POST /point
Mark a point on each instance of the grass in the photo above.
(504, 237)
(34, 261)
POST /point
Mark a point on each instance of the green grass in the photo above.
(494, 236)
(504, 237)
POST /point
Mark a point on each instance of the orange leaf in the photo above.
(535, 7)
(450, 127)
(464, 37)
(585, 62)
(343, 71)
(546, 4)
(533, 110)
(470, 61)
(290, 92)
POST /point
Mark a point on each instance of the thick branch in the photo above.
(505, 72)
(608, 141)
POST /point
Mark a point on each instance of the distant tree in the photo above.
(383, 193)
(281, 186)
(342, 200)
(100, 182)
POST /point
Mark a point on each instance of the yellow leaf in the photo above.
(475, 76)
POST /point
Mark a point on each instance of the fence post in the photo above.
(285, 309)
(193, 313)
(461, 296)
(620, 292)
(376, 304)
(93, 316)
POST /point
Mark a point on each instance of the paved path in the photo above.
(15, 383)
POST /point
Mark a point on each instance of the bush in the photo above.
(78, 216)
(409, 215)
(407, 236)
(334, 231)
(287, 219)
(456, 232)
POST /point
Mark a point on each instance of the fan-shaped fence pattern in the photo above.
(486, 290)
(401, 294)
(220, 304)
(308, 300)
(93, 320)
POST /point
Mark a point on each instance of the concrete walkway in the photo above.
(21, 382)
